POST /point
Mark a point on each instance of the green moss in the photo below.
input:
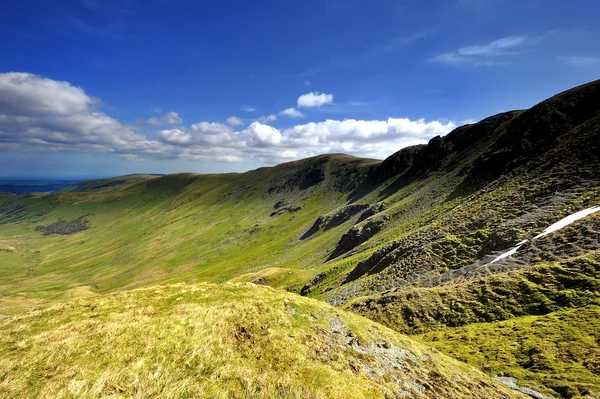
(557, 353)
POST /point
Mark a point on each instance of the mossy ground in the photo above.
(559, 351)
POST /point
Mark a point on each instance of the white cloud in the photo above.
(579, 61)
(493, 53)
(234, 121)
(292, 113)
(170, 118)
(30, 121)
(259, 135)
(268, 118)
(41, 114)
(314, 99)
(376, 139)
(248, 109)
(33, 95)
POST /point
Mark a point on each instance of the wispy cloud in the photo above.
(580, 61)
(246, 108)
(107, 19)
(268, 118)
(494, 53)
(386, 46)
(234, 121)
(170, 118)
(498, 47)
(401, 41)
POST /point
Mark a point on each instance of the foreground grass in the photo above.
(220, 341)
(560, 351)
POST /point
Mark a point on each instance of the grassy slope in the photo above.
(555, 351)
(221, 341)
(560, 350)
(544, 288)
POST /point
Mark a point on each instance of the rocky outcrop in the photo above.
(65, 227)
(357, 235)
(304, 178)
(334, 219)
(285, 209)
(372, 211)
(314, 281)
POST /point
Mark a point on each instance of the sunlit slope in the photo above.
(221, 341)
(174, 228)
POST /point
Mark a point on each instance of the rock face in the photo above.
(285, 209)
(304, 178)
(412, 162)
(327, 222)
(315, 280)
(372, 211)
(357, 235)
(395, 165)
(511, 382)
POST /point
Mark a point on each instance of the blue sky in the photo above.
(97, 88)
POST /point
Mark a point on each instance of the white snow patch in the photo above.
(568, 220)
(554, 227)
(510, 252)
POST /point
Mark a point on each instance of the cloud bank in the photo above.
(38, 114)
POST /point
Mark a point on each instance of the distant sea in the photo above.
(33, 185)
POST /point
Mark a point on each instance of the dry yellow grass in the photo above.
(7, 248)
(220, 341)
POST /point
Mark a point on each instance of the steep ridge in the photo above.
(528, 184)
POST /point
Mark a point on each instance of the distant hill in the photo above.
(409, 242)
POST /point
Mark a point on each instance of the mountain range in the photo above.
(332, 276)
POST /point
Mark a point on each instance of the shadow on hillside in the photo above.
(360, 192)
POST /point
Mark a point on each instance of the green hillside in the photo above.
(174, 228)
(407, 242)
